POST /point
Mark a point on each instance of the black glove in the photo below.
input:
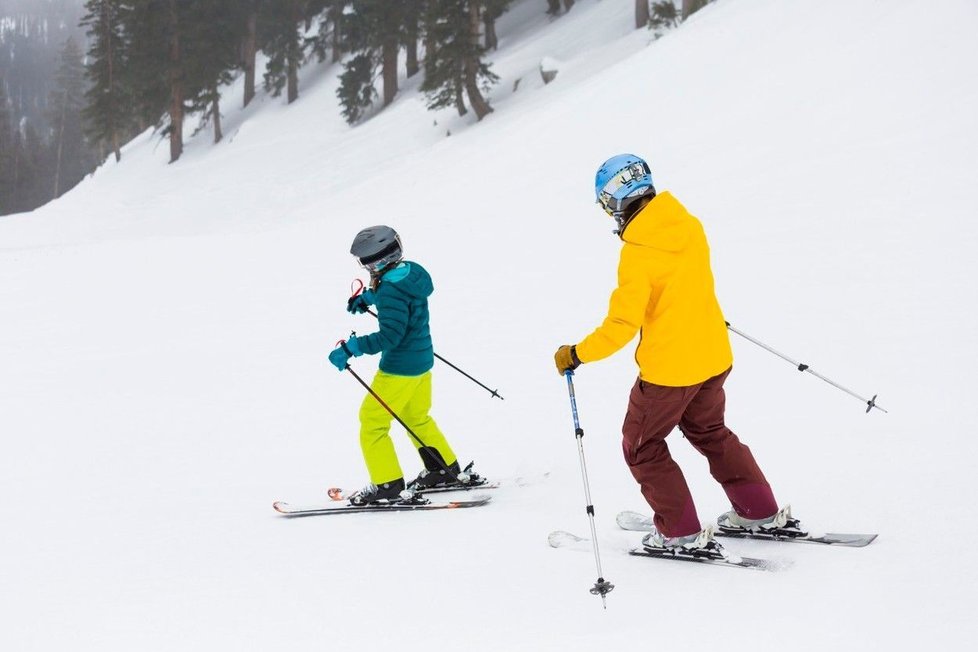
(359, 303)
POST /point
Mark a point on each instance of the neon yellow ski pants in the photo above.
(410, 398)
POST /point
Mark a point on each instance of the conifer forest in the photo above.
(80, 78)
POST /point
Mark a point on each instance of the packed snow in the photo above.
(164, 332)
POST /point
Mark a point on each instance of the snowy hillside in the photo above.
(164, 332)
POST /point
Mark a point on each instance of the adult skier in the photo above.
(665, 292)
(399, 289)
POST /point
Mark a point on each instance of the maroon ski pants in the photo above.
(653, 412)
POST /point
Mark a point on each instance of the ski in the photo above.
(562, 539)
(327, 510)
(642, 523)
(338, 493)
(730, 560)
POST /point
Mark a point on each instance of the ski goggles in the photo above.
(376, 262)
(608, 196)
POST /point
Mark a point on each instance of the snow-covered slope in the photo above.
(163, 333)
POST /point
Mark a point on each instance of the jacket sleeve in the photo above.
(392, 315)
(626, 311)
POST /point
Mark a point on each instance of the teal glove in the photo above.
(341, 355)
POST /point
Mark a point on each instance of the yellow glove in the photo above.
(566, 358)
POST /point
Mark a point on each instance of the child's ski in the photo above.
(338, 493)
(323, 510)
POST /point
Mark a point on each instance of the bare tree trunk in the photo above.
(18, 151)
(335, 17)
(293, 80)
(492, 41)
(61, 138)
(293, 92)
(412, 65)
(641, 13)
(249, 54)
(479, 104)
(390, 50)
(460, 102)
(690, 7)
(176, 88)
(113, 127)
(411, 45)
(216, 116)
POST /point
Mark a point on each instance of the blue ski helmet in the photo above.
(620, 181)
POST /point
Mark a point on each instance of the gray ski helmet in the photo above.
(377, 247)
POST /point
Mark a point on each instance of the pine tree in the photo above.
(181, 53)
(664, 15)
(692, 6)
(249, 47)
(176, 82)
(284, 45)
(108, 112)
(8, 148)
(453, 64)
(146, 74)
(212, 39)
(332, 20)
(32, 171)
(553, 6)
(412, 30)
(356, 91)
(374, 32)
(65, 108)
(492, 10)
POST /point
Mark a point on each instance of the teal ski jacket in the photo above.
(403, 339)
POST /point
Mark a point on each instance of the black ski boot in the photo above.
(434, 475)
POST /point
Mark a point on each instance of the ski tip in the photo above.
(336, 493)
(850, 540)
(561, 538)
(281, 507)
(629, 520)
(474, 501)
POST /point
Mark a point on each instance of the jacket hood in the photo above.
(411, 279)
(663, 224)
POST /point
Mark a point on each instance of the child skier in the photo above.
(665, 293)
(399, 289)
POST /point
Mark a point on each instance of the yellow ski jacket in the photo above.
(665, 293)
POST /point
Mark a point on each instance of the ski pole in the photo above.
(492, 392)
(436, 458)
(602, 587)
(870, 403)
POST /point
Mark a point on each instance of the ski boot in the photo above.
(781, 525)
(434, 475)
(439, 479)
(701, 545)
(388, 493)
